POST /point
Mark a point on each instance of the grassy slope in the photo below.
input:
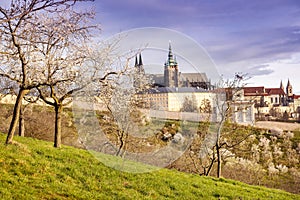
(33, 169)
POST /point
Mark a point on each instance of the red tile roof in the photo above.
(296, 96)
(254, 91)
(262, 91)
(272, 91)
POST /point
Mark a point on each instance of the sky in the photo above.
(260, 38)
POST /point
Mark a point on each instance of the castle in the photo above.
(170, 91)
(172, 77)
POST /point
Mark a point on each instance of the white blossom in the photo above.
(282, 168)
(272, 169)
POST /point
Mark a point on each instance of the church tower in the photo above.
(139, 64)
(289, 89)
(171, 77)
(139, 71)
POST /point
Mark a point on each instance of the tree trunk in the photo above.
(58, 119)
(218, 147)
(21, 123)
(218, 161)
(211, 165)
(121, 144)
(16, 115)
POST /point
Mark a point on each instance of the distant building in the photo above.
(273, 101)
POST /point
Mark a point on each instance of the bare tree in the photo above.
(226, 94)
(122, 103)
(64, 51)
(59, 90)
(21, 41)
(9, 88)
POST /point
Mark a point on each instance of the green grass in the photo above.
(33, 169)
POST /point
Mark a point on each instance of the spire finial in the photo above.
(170, 51)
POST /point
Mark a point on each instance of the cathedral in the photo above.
(172, 77)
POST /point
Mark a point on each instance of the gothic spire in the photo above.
(289, 89)
(281, 85)
(141, 62)
(170, 51)
(288, 84)
(136, 61)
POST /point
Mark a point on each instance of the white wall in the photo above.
(176, 99)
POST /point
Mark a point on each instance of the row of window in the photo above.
(274, 100)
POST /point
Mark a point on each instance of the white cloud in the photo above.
(294, 59)
(260, 70)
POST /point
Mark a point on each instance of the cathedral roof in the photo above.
(194, 77)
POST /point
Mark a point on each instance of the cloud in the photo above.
(256, 46)
(260, 70)
(293, 59)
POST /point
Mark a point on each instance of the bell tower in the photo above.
(171, 70)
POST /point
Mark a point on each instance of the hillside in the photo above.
(33, 169)
(265, 159)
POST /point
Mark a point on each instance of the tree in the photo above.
(285, 116)
(22, 45)
(189, 104)
(226, 94)
(122, 104)
(59, 90)
(10, 88)
(205, 106)
(64, 52)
